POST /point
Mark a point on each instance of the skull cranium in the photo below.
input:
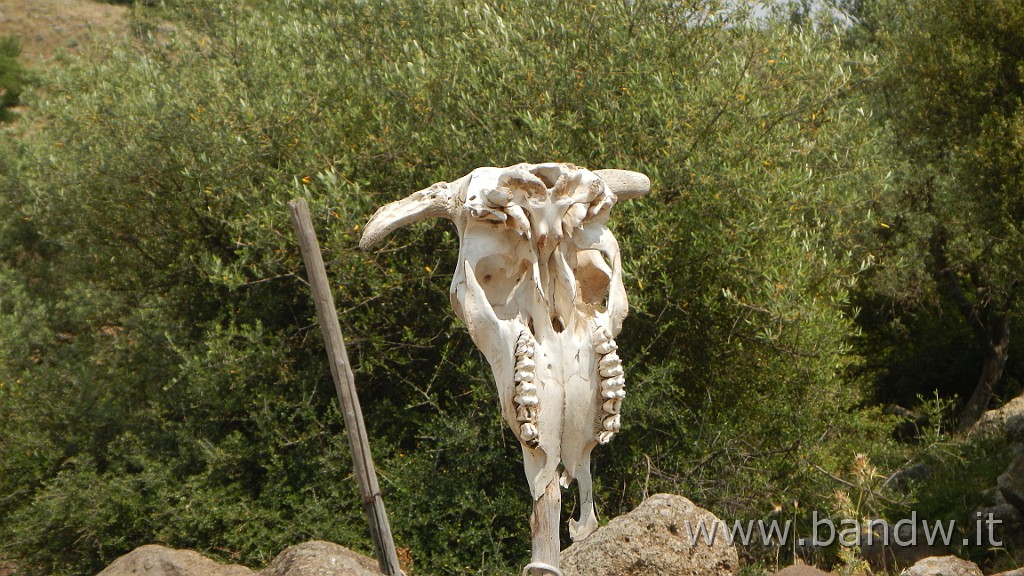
(539, 286)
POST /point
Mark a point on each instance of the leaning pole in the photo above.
(344, 384)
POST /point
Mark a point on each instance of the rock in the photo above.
(911, 424)
(1006, 517)
(995, 420)
(906, 478)
(1014, 428)
(944, 566)
(893, 546)
(309, 559)
(153, 560)
(802, 570)
(1004, 525)
(1017, 572)
(655, 539)
(321, 559)
(1011, 483)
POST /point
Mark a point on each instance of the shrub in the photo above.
(191, 391)
(12, 76)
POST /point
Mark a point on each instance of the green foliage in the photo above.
(12, 76)
(170, 362)
(961, 474)
(950, 97)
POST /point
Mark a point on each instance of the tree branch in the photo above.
(945, 276)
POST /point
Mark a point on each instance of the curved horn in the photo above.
(625, 184)
(433, 202)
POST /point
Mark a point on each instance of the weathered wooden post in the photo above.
(344, 384)
(539, 286)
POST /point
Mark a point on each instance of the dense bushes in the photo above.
(165, 380)
(12, 76)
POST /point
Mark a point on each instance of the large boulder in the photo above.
(320, 559)
(1011, 483)
(944, 566)
(995, 420)
(660, 537)
(1015, 433)
(153, 560)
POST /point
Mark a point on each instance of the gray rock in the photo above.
(944, 566)
(995, 420)
(655, 539)
(309, 559)
(1006, 528)
(892, 546)
(1011, 483)
(1014, 428)
(321, 559)
(153, 560)
(906, 478)
(1008, 518)
(1017, 572)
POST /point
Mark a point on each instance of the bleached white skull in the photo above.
(539, 286)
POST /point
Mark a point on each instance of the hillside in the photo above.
(47, 27)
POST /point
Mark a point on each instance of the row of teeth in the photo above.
(526, 389)
(613, 383)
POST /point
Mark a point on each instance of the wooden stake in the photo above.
(344, 384)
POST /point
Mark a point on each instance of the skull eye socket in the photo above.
(593, 276)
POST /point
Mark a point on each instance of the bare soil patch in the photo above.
(48, 27)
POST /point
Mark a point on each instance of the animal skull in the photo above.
(539, 286)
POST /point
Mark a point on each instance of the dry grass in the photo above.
(48, 27)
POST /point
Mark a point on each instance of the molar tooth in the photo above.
(525, 363)
(611, 393)
(612, 372)
(613, 406)
(612, 423)
(610, 360)
(528, 431)
(606, 347)
(526, 399)
(612, 383)
(524, 376)
(526, 413)
(526, 388)
(603, 437)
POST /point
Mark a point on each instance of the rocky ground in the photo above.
(650, 540)
(48, 27)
